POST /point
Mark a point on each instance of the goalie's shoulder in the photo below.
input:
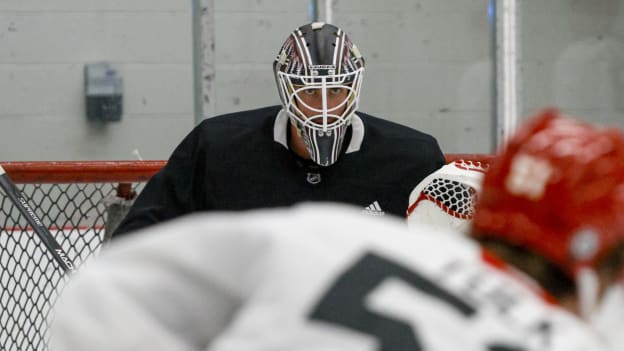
(229, 132)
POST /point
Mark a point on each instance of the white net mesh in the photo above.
(76, 216)
(446, 199)
(454, 198)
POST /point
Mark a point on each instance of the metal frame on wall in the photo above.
(203, 58)
(508, 87)
(320, 11)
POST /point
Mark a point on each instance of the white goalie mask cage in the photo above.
(319, 58)
(446, 198)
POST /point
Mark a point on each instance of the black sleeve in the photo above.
(177, 189)
(431, 158)
(437, 157)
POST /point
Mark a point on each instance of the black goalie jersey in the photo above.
(242, 161)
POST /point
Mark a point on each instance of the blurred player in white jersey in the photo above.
(330, 278)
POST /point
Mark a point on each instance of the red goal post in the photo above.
(55, 172)
(78, 201)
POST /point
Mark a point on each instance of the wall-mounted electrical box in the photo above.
(103, 92)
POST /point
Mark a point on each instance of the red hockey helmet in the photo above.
(557, 188)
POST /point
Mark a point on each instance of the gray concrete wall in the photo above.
(248, 35)
(428, 66)
(43, 48)
(574, 58)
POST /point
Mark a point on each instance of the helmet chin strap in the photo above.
(587, 285)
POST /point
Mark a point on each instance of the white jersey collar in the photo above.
(281, 128)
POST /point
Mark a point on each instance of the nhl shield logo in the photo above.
(314, 178)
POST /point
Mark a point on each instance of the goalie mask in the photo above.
(318, 72)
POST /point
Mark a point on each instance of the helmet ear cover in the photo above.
(557, 188)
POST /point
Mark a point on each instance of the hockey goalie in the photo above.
(529, 275)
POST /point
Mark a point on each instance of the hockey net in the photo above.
(453, 196)
(79, 202)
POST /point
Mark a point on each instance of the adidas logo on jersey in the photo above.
(374, 209)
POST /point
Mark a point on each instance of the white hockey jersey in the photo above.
(316, 277)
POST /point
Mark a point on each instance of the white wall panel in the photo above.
(55, 137)
(249, 37)
(81, 37)
(45, 45)
(48, 6)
